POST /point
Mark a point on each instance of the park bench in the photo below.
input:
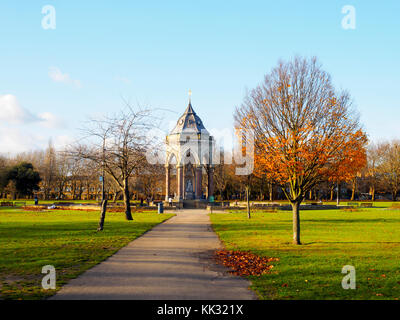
(352, 204)
(19, 203)
(212, 208)
(261, 205)
(6, 204)
(173, 207)
(366, 205)
(312, 203)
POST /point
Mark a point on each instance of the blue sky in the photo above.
(153, 52)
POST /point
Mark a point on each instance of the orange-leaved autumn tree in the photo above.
(349, 164)
(304, 130)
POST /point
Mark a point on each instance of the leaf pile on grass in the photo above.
(122, 209)
(33, 208)
(351, 209)
(45, 208)
(41, 208)
(244, 263)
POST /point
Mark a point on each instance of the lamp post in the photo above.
(102, 174)
(103, 198)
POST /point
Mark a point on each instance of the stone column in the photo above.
(183, 181)
(179, 181)
(210, 182)
(167, 182)
(199, 176)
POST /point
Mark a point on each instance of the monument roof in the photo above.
(189, 122)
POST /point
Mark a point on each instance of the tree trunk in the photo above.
(60, 192)
(115, 196)
(102, 215)
(270, 192)
(353, 189)
(373, 193)
(248, 202)
(296, 222)
(128, 214)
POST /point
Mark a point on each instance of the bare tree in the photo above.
(390, 167)
(221, 177)
(63, 170)
(375, 156)
(151, 179)
(124, 139)
(49, 170)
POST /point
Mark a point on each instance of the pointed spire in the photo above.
(189, 120)
(189, 108)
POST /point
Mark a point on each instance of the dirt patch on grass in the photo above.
(244, 263)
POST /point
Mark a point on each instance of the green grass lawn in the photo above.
(368, 239)
(65, 239)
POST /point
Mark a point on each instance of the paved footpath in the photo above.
(171, 261)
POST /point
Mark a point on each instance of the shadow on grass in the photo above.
(361, 220)
(351, 242)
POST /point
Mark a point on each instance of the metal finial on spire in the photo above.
(190, 96)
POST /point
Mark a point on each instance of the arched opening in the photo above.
(190, 183)
(171, 177)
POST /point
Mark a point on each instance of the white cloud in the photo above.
(12, 112)
(22, 130)
(56, 75)
(16, 140)
(51, 121)
(13, 140)
(62, 141)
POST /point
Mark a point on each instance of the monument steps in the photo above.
(195, 204)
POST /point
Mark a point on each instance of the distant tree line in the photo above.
(56, 175)
(53, 175)
(378, 178)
